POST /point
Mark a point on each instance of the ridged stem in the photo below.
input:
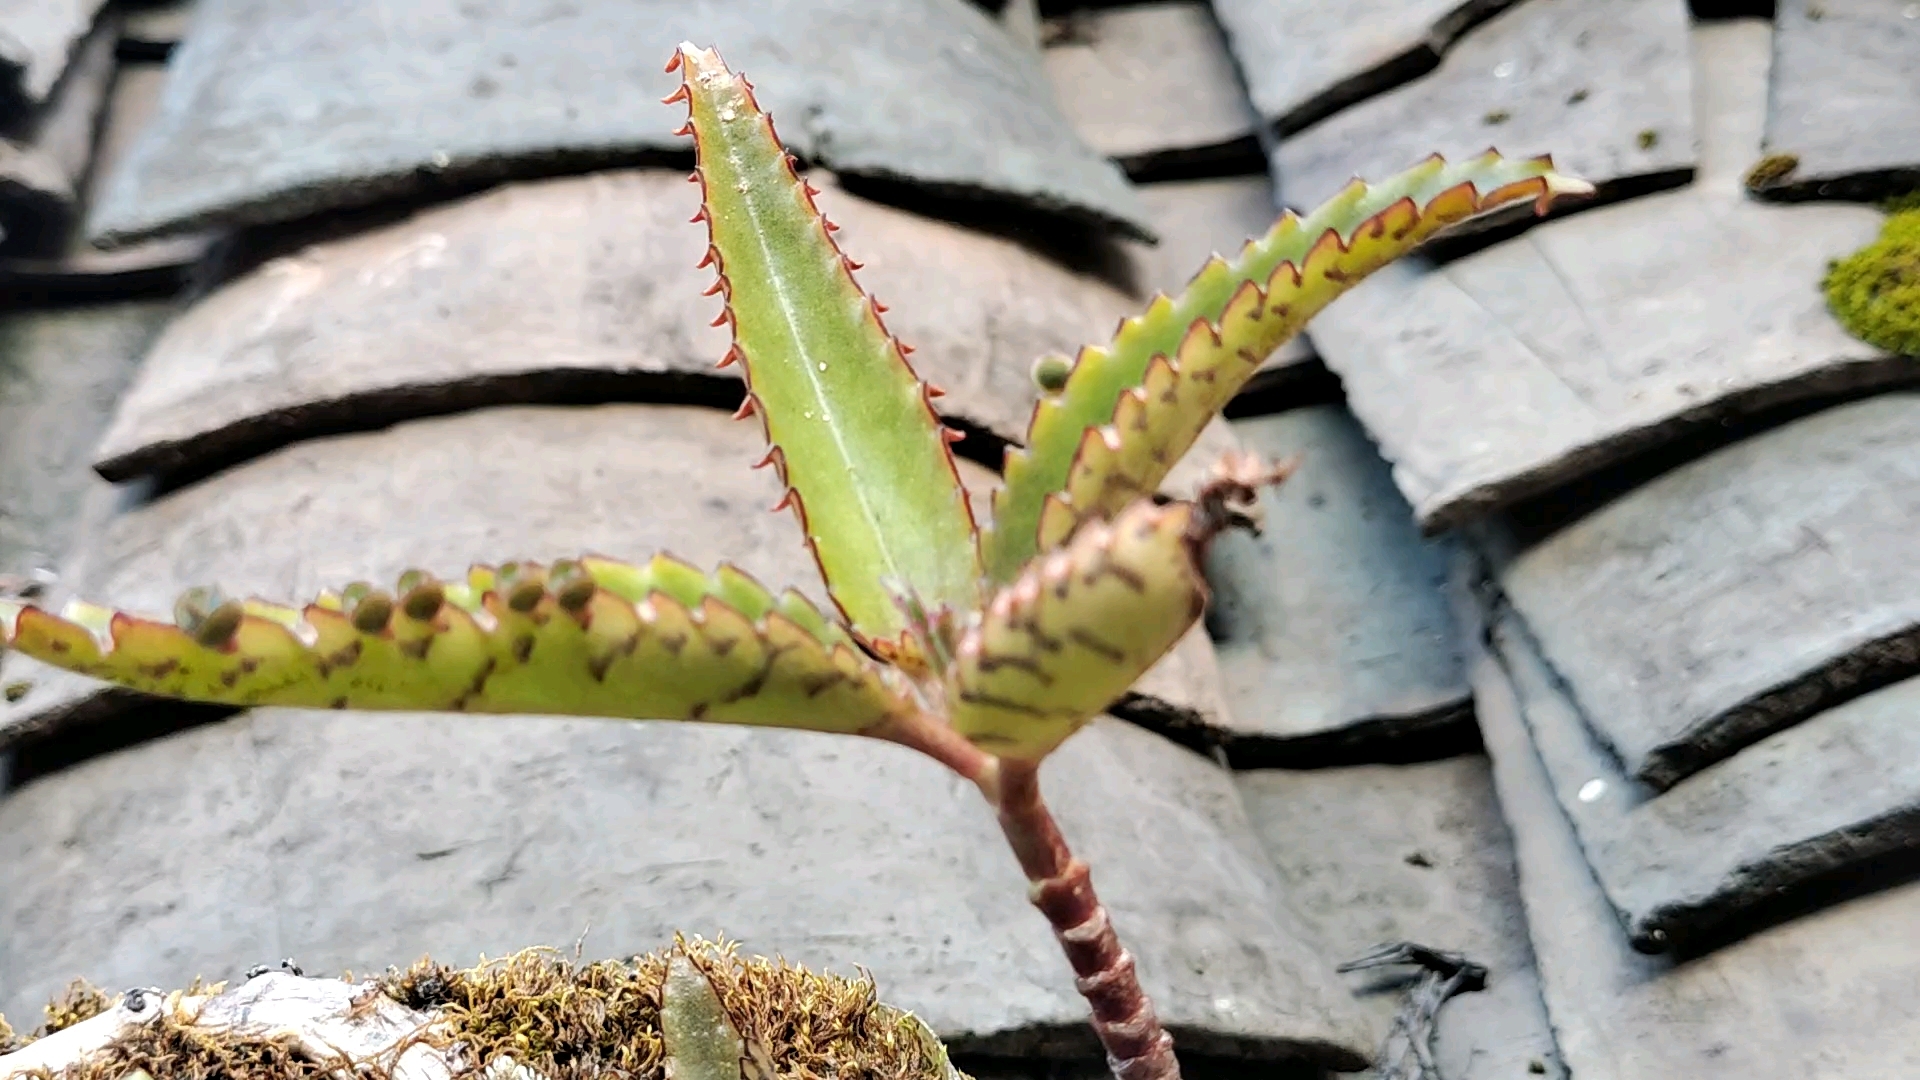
(1137, 1047)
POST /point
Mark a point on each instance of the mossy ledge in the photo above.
(535, 1015)
(1875, 292)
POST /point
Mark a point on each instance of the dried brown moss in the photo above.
(566, 1020)
(1770, 170)
(171, 1050)
(81, 1001)
(603, 1018)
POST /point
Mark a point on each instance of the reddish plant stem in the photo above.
(1138, 1048)
(932, 737)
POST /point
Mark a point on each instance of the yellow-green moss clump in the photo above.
(1875, 292)
(565, 1021)
(82, 1001)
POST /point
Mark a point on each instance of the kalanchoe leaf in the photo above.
(1073, 631)
(1214, 336)
(700, 1039)
(854, 435)
(656, 641)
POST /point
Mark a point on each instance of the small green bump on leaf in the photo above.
(422, 600)
(207, 614)
(525, 594)
(355, 592)
(1050, 372)
(573, 587)
(411, 580)
(220, 625)
(481, 580)
(699, 1038)
(17, 689)
(374, 611)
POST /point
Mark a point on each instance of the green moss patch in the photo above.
(1875, 292)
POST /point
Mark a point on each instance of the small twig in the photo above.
(1408, 1051)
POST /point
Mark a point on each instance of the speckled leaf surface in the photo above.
(852, 428)
(659, 640)
(1068, 636)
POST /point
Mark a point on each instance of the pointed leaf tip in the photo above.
(862, 448)
(1192, 352)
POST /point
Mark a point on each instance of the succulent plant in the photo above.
(984, 648)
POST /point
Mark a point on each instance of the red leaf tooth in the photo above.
(747, 408)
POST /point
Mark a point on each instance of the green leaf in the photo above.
(1128, 410)
(659, 641)
(700, 1039)
(854, 434)
(1070, 635)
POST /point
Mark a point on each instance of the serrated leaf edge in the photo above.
(1328, 243)
(481, 599)
(776, 456)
